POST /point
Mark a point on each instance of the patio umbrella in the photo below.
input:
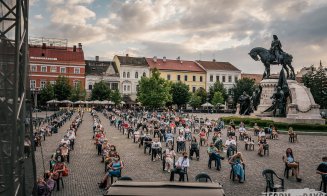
(53, 101)
(79, 102)
(207, 104)
(66, 101)
(122, 102)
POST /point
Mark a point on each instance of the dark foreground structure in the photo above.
(15, 169)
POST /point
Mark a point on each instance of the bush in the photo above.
(280, 126)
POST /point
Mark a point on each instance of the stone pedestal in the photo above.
(300, 107)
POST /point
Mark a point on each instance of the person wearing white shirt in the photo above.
(230, 144)
(181, 164)
(71, 137)
(180, 142)
(155, 148)
(261, 134)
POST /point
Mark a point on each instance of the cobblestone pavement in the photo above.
(86, 169)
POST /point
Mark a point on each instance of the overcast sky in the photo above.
(225, 30)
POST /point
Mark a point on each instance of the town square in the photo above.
(163, 97)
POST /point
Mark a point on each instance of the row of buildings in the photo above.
(50, 58)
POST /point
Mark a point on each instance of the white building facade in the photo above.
(224, 72)
(131, 71)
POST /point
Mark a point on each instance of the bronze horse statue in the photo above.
(267, 58)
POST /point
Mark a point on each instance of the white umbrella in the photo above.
(97, 102)
(65, 101)
(79, 102)
(53, 101)
(122, 102)
(207, 104)
(111, 103)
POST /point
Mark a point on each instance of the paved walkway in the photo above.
(86, 169)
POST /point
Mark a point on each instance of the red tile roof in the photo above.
(214, 65)
(256, 77)
(56, 55)
(174, 65)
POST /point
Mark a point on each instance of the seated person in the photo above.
(242, 130)
(291, 132)
(147, 141)
(64, 150)
(194, 148)
(169, 159)
(261, 134)
(187, 132)
(237, 166)
(182, 163)
(213, 153)
(256, 129)
(230, 144)
(214, 137)
(136, 135)
(291, 163)
(180, 142)
(203, 136)
(115, 168)
(322, 170)
(274, 132)
(230, 131)
(219, 143)
(262, 142)
(155, 148)
(169, 137)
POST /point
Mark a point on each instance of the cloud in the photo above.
(38, 17)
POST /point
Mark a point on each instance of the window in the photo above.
(185, 78)
(128, 88)
(137, 88)
(229, 78)
(32, 84)
(201, 79)
(44, 69)
(178, 77)
(235, 79)
(124, 75)
(90, 86)
(224, 79)
(168, 77)
(76, 71)
(211, 78)
(194, 78)
(33, 68)
(53, 69)
(76, 83)
(193, 89)
(43, 82)
(217, 79)
(114, 86)
(128, 75)
(230, 91)
(62, 69)
(144, 74)
(125, 87)
(136, 74)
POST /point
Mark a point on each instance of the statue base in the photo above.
(301, 107)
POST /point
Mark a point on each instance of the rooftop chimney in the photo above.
(213, 60)
(127, 55)
(96, 58)
(74, 48)
(79, 45)
(44, 45)
(164, 59)
(155, 59)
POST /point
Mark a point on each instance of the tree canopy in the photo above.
(202, 93)
(317, 82)
(180, 93)
(116, 97)
(217, 98)
(154, 92)
(78, 93)
(62, 88)
(244, 84)
(195, 100)
(47, 93)
(217, 87)
(100, 91)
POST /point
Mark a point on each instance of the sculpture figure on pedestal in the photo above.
(245, 104)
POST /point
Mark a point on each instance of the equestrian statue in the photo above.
(274, 56)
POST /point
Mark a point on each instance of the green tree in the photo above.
(46, 94)
(116, 97)
(217, 98)
(244, 84)
(202, 93)
(317, 82)
(100, 91)
(195, 101)
(180, 93)
(217, 87)
(154, 92)
(78, 93)
(62, 88)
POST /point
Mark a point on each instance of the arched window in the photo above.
(127, 74)
(144, 74)
(124, 75)
(136, 74)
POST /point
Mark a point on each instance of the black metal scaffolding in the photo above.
(13, 95)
